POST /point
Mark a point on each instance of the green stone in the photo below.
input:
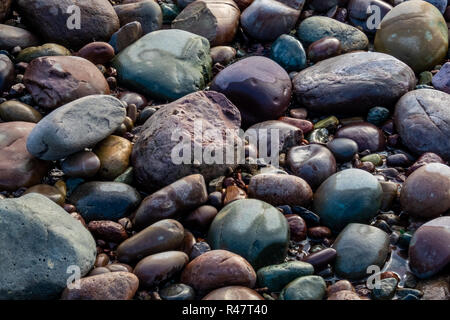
(304, 288)
(289, 53)
(165, 64)
(377, 115)
(375, 158)
(48, 49)
(253, 229)
(425, 77)
(329, 123)
(169, 12)
(276, 277)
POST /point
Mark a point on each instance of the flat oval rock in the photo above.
(366, 136)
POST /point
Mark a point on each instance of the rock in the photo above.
(276, 277)
(18, 168)
(424, 159)
(84, 164)
(173, 201)
(156, 152)
(353, 83)
(54, 81)
(233, 193)
(362, 15)
(305, 125)
(280, 189)
(278, 19)
(340, 285)
(359, 246)
(298, 113)
(324, 48)
(288, 52)
(437, 288)
(181, 56)
(297, 227)
(349, 196)
(77, 125)
(114, 153)
(54, 20)
(317, 27)
(344, 295)
(441, 80)
(107, 286)
(423, 121)
(178, 291)
(164, 235)
(258, 86)
(125, 36)
(13, 110)
(216, 20)
(37, 266)
(97, 52)
(426, 192)
(238, 226)
(366, 135)
(313, 163)
(107, 230)
(343, 149)
(97, 200)
(147, 13)
(233, 293)
(200, 218)
(222, 54)
(321, 259)
(429, 248)
(48, 191)
(386, 290)
(440, 4)
(11, 37)
(7, 73)
(216, 269)
(304, 288)
(4, 9)
(49, 49)
(157, 268)
(323, 5)
(415, 33)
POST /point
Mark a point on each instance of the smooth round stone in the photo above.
(297, 227)
(18, 168)
(276, 277)
(222, 54)
(13, 110)
(164, 235)
(280, 189)
(361, 13)
(101, 260)
(278, 19)
(216, 20)
(344, 295)
(258, 86)
(54, 81)
(125, 36)
(200, 218)
(233, 293)
(313, 163)
(188, 242)
(245, 222)
(97, 52)
(198, 249)
(114, 153)
(106, 286)
(298, 113)
(305, 125)
(216, 269)
(11, 37)
(169, 11)
(349, 196)
(340, 285)
(441, 81)
(377, 115)
(359, 246)
(177, 291)
(7, 73)
(324, 48)
(288, 52)
(147, 13)
(160, 267)
(133, 98)
(422, 119)
(424, 159)
(98, 270)
(366, 135)
(317, 27)
(429, 250)
(182, 57)
(48, 191)
(119, 267)
(109, 231)
(426, 192)
(48, 49)
(414, 32)
(374, 158)
(84, 164)
(321, 259)
(97, 200)
(343, 149)
(304, 288)
(98, 20)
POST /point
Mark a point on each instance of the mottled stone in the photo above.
(49, 49)
(108, 230)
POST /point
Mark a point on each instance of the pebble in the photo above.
(435, 289)
(177, 291)
(324, 48)
(305, 125)
(366, 135)
(7, 73)
(340, 285)
(13, 110)
(114, 153)
(441, 80)
(386, 290)
(344, 295)
(147, 13)
(233, 293)
(107, 230)
(321, 259)
(424, 159)
(83, 164)
(343, 149)
(276, 277)
(222, 54)
(12, 37)
(304, 288)
(288, 52)
(49, 49)
(48, 191)
(97, 52)
(125, 36)
(297, 227)
(245, 222)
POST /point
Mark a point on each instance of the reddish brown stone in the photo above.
(305, 125)
(297, 227)
(324, 48)
(108, 230)
(97, 52)
(233, 193)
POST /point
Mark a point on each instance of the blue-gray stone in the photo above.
(288, 52)
(276, 277)
(304, 288)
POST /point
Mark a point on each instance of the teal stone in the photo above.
(304, 288)
(252, 229)
(169, 11)
(276, 277)
(318, 27)
(165, 64)
(288, 52)
(357, 247)
(377, 115)
(349, 196)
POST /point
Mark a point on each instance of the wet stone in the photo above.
(13, 110)
(297, 227)
(11, 37)
(222, 54)
(233, 293)
(288, 52)
(97, 52)
(366, 135)
(441, 80)
(84, 164)
(304, 288)
(114, 153)
(125, 36)
(48, 49)
(178, 291)
(324, 48)
(6, 73)
(109, 231)
(147, 13)
(48, 191)
(276, 277)
(343, 149)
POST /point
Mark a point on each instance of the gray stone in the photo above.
(276, 277)
(11, 37)
(304, 288)
(125, 36)
(386, 289)
(147, 13)
(441, 80)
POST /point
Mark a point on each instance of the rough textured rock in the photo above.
(353, 83)
(154, 148)
(35, 266)
(75, 126)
